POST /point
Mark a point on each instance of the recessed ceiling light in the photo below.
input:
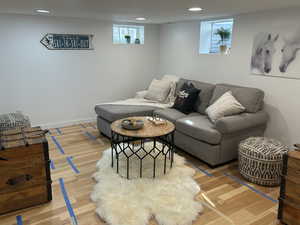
(195, 9)
(42, 11)
(140, 18)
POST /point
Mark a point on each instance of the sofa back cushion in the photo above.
(204, 96)
(250, 98)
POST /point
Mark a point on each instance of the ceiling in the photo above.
(156, 11)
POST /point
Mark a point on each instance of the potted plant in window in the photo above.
(128, 39)
(224, 36)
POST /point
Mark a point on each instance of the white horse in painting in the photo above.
(262, 56)
(289, 51)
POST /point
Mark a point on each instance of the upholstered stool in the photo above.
(13, 120)
(260, 160)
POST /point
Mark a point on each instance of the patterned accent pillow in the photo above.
(172, 94)
(226, 105)
(186, 98)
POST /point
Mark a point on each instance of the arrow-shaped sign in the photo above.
(68, 41)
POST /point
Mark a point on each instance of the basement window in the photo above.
(128, 34)
(210, 42)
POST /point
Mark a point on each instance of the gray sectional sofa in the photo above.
(213, 143)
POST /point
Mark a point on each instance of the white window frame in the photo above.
(139, 33)
(206, 35)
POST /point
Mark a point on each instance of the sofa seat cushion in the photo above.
(116, 112)
(169, 114)
(199, 127)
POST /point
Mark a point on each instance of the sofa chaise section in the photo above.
(108, 113)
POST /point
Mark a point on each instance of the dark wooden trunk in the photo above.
(289, 201)
(24, 169)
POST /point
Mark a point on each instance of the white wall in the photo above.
(55, 87)
(179, 55)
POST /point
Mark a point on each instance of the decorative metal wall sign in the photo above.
(68, 41)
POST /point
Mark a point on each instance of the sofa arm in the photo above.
(242, 121)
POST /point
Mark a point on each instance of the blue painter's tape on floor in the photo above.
(59, 147)
(52, 165)
(69, 159)
(19, 220)
(67, 201)
(92, 137)
(58, 131)
(251, 188)
(205, 172)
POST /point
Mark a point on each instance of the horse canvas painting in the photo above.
(263, 51)
(289, 51)
(276, 54)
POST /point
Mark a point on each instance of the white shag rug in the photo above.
(170, 197)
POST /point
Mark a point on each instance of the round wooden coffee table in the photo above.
(132, 143)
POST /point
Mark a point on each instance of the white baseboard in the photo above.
(66, 123)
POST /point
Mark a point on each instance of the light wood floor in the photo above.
(226, 197)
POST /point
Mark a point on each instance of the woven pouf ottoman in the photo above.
(260, 160)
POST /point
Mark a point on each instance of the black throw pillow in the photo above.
(186, 98)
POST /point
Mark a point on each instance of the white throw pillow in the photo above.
(226, 105)
(158, 90)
